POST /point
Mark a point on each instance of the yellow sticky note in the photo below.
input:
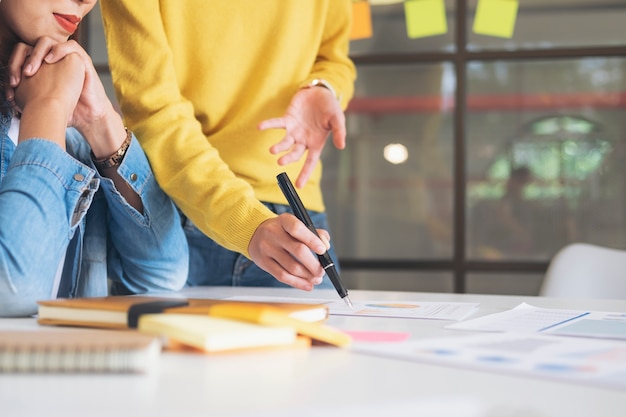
(361, 20)
(425, 18)
(496, 17)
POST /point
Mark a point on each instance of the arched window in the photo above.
(561, 152)
(537, 190)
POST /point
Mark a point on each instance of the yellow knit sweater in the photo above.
(195, 77)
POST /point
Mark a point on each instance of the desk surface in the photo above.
(322, 381)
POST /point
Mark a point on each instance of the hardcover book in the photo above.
(119, 312)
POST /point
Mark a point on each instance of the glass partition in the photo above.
(545, 141)
(389, 193)
(548, 24)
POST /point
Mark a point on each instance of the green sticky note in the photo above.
(425, 18)
(495, 17)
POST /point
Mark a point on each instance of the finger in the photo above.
(276, 123)
(284, 145)
(325, 237)
(277, 271)
(289, 259)
(294, 155)
(298, 230)
(298, 261)
(61, 50)
(16, 63)
(36, 57)
(291, 250)
(339, 131)
(308, 167)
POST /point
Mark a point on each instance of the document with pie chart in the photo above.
(435, 310)
(405, 309)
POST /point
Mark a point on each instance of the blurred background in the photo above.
(471, 158)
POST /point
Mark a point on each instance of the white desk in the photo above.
(322, 381)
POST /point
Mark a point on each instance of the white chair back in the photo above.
(582, 270)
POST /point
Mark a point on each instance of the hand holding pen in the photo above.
(300, 212)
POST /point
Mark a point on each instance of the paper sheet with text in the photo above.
(527, 318)
(568, 359)
(398, 309)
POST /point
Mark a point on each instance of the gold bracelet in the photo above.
(116, 158)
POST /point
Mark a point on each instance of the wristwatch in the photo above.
(116, 158)
(319, 82)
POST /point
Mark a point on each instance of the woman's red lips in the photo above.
(68, 22)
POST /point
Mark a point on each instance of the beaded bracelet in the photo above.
(117, 157)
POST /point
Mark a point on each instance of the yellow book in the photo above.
(300, 311)
(271, 316)
(214, 334)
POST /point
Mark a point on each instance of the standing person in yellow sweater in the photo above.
(218, 94)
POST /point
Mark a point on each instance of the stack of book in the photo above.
(138, 327)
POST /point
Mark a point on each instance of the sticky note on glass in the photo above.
(496, 17)
(361, 20)
(425, 18)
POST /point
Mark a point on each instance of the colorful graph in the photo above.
(392, 305)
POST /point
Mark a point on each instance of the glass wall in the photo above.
(471, 158)
(390, 191)
(544, 143)
(390, 32)
(550, 24)
(510, 146)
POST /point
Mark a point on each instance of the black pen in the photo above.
(300, 212)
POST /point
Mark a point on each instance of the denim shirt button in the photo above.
(79, 177)
(133, 177)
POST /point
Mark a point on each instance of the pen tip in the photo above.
(348, 302)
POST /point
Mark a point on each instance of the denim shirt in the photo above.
(54, 203)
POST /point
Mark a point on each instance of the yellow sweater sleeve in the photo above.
(185, 164)
(332, 63)
(194, 78)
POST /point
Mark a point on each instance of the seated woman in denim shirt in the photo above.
(80, 211)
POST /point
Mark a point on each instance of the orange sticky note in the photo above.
(425, 18)
(496, 17)
(361, 20)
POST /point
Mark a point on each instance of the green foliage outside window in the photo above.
(562, 152)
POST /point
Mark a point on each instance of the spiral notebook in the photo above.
(78, 351)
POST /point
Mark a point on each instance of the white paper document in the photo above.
(590, 361)
(405, 309)
(527, 318)
(396, 309)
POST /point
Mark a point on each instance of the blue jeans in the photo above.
(211, 264)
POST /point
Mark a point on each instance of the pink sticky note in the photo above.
(370, 336)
